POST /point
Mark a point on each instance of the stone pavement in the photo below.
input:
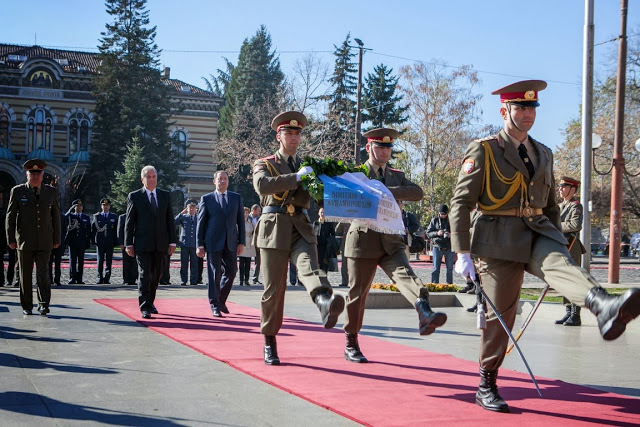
(85, 364)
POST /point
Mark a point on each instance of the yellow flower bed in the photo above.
(433, 287)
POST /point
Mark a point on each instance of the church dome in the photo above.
(6, 154)
(79, 157)
(41, 154)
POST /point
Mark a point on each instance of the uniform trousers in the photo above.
(150, 267)
(104, 254)
(55, 264)
(13, 267)
(361, 274)
(129, 269)
(188, 265)
(76, 262)
(25, 263)
(276, 265)
(502, 280)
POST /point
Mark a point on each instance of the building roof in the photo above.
(76, 62)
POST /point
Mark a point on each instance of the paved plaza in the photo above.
(86, 364)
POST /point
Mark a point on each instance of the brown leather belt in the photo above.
(526, 212)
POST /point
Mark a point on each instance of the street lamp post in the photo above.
(358, 103)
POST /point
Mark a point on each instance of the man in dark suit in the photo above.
(221, 235)
(150, 235)
(105, 236)
(78, 237)
(129, 267)
(33, 228)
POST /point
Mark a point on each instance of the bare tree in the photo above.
(308, 84)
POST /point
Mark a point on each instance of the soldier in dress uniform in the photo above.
(78, 238)
(129, 264)
(509, 178)
(571, 222)
(105, 235)
(188, 222)
(33, 228)
(366, 249)
(284, 231)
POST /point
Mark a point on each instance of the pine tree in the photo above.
(380, 103)
(130, 95)
(256, 80)
(129, 179)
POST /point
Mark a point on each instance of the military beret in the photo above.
(76, 202)
(289, 120)
(523, 93)
(381, 136)
(565, 180)
(34, 165)
(191, 202)
(105, 201)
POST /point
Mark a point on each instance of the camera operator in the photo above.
(439, 232)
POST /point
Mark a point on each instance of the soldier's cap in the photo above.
(105, 201)
(383, 137)
(34, 165)
(76, 202)
(565, 180)
(289, 120)
(523, 93)
(191, 202)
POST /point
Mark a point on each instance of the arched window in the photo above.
(39, 130)
(5, 128)
(180, 144)
(79, 132)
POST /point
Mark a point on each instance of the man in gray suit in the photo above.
(220, 233)
(150, 234)
(33, 228)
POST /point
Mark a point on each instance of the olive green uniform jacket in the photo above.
(571, 216)
(34, 224)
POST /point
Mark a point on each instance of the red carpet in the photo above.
(400, 386)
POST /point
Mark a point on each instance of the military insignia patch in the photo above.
(258, 168)
(468, 166)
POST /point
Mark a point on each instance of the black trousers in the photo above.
(12, 267)
(25, 261)
(104, 254)
(55, 262)
(129, 269)
(150, 267)
(222, 267)
(76, 263)
(245, 269)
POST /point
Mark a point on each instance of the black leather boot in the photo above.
(565, 317)
(472, 290)
(467, 288)
(270, 350)
(330, 306)
(473, 308)
(487, 395)
(613, 311)
(574, 319)
(428, 320)
(352, 350)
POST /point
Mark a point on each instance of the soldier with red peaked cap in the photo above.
(509, 178)
(284, 232)
(366, 249)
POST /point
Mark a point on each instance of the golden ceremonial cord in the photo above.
(515, 183)
(274, 172)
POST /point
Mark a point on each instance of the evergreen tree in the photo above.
(129, 179)
(342, 107)
(130, 94)
(256, 80)
(380, 103)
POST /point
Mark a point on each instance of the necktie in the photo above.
(224, 202)
(292, 166)
(522, 150)
(381, 174)
(154, 205)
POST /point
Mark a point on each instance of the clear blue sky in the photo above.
(504, 40)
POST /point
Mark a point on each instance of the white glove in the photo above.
(464, 266)
(305, 170)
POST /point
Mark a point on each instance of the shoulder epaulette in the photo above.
(487, 138)
(394, 169)
(273, 157)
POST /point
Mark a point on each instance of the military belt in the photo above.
(288, 209)
(526, 212)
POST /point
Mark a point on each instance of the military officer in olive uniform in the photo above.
(571, 222)
(509, 178)
(78, 237)
(284, 231)
(366, 249)
(188, 222)
(33, 228)
(104, 230)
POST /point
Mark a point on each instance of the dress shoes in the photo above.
(100, 282)
(27, 312)
(72, 282)
(193, 284)
(271, 350)
(58, 284)
(131, 283)
(352, 350)
(487, 395)
(216, 312)
(183, 284)
(428, 320)
(79, 282)
(154, 310)
(146, 314)
(613, 311)
(106, 282)
(330, 306)
(224, 309)
(257, 282)
(43, 310)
